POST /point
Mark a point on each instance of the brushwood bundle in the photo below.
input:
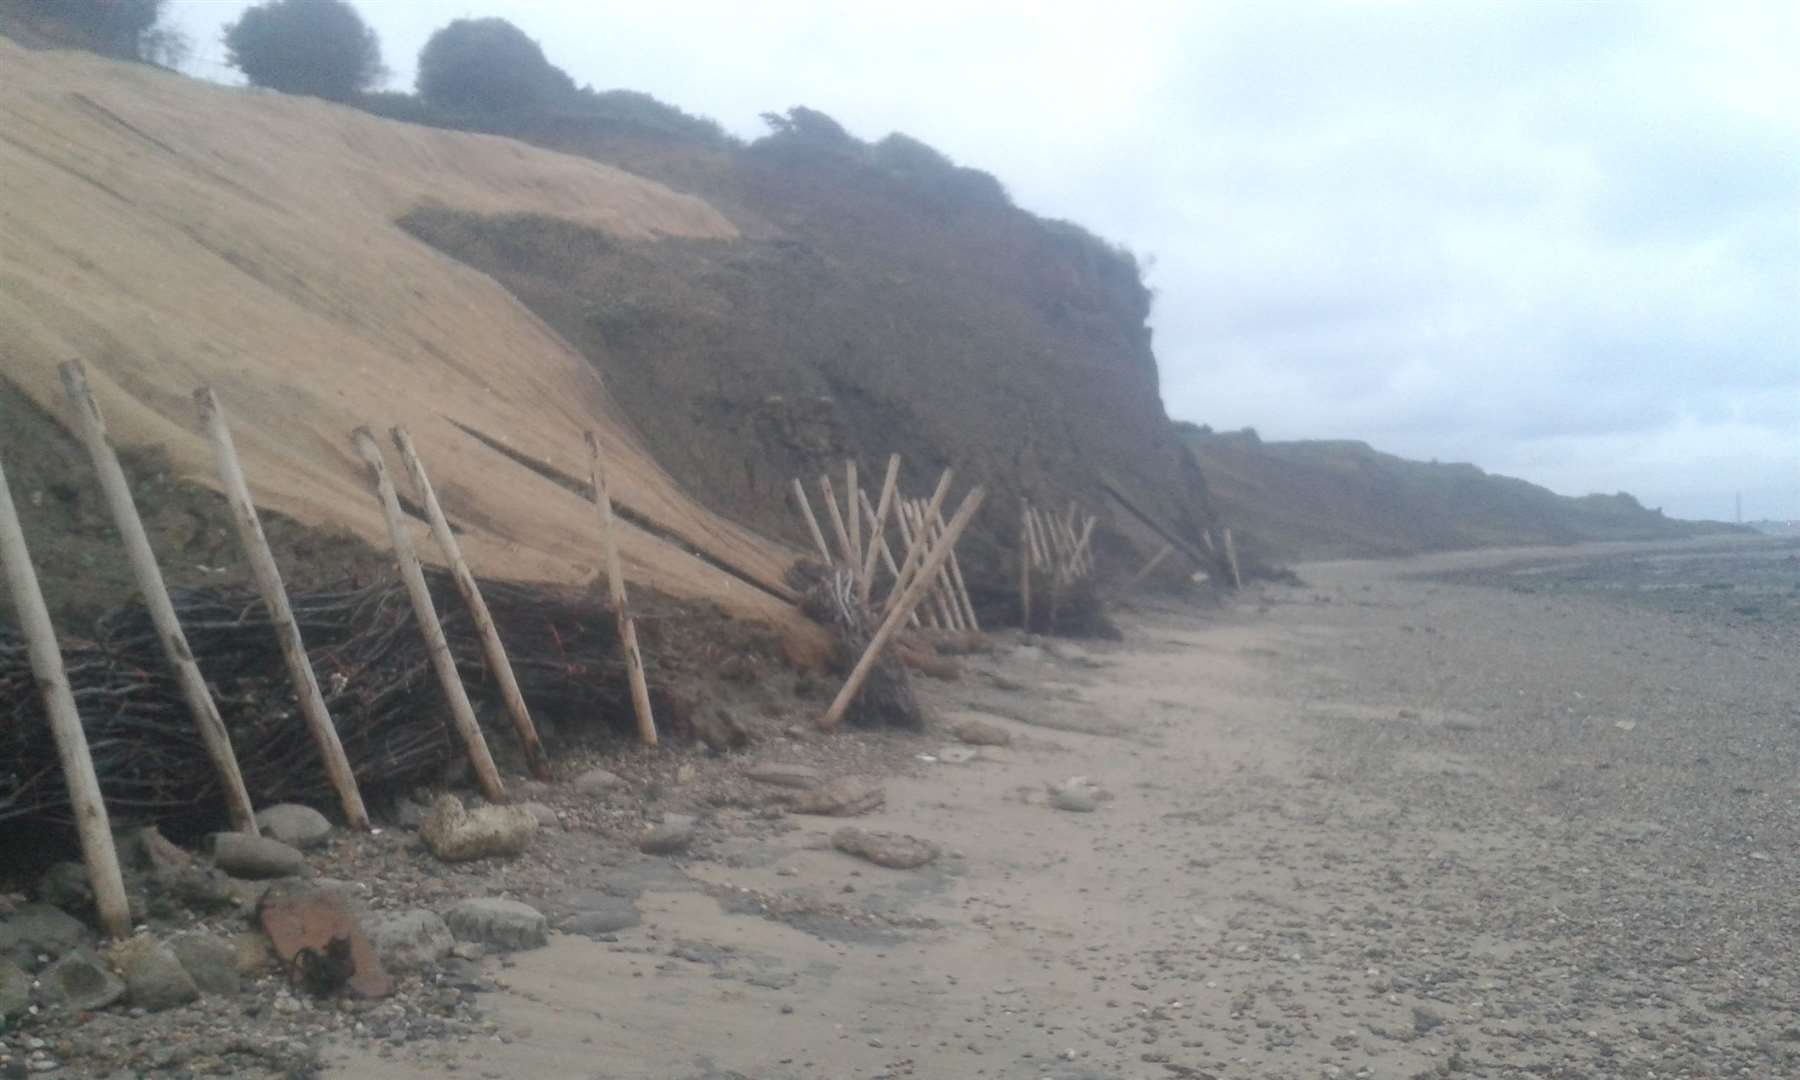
(373, 670)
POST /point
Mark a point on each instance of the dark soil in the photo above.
(853, 321)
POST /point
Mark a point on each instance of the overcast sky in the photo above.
(1560, 240)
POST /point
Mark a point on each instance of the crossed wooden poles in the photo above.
(91, 819)
(928, 570)
(1059, 549)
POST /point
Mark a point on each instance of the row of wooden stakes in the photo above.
(85, 798)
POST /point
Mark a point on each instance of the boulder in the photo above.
(674, 835)
(154, 977)
(1075, 795)
(15, 990)
(294, 825)
(597, 782)
(211, 961)
(843, 797)
(79, 982)
(39, 929)
(65, 885)
(601, 915)
(315, 935)
(252, 954)
(456, 834)
(978, 732)
(721, 730)
(546, 816)
(784, 775)
(504, 924)
(256, 857)
(409, 941)
(891, 850)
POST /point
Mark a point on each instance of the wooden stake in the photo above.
(1237, 579)
(812, 523)
(913, 529)
(1025, 561)
(897, 614)
(915, 552)
(851, 489)
(877, 526)
(879, 536)
(462, 713)
(948, 590)
(1084, 559)
(1040, 548)
(837, 521)
(956, 577)
(281, 615)
(156, 597)
(491, 648)
(615, 582)
(934, 613)
(91, 823)
(1155, 561)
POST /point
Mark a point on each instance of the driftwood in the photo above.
(91, 820)
(491, 645)
(462, 714)
(92, 428)
(274, 595)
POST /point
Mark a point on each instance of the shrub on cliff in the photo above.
(316, 47)
(489, 65)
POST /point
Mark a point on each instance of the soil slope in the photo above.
(1342, 499)
(865, 310)
(171, 234)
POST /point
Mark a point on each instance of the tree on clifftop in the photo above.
(488, 65)
(316, 47)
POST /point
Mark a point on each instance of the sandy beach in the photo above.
(1384, 823)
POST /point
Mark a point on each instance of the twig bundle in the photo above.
(373, 670)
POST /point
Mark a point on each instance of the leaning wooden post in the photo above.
(1084, 556)
(478, 609)
(956, 578)
(1237, 579)
(812, 522)
(615, 581)
(156, 597)
(946, 584)
(851, 489)
(1155, 561)
(281, 615)
(914, 552)
(917, 540)
(461, 712)
(1025, 561)
(837, 519)
(878, 537)
(91, 824)
(897, 615)
(877, 525)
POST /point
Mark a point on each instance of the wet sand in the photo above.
(1375, 825)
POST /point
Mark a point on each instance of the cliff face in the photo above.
(877, 300)
(1340, 499)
